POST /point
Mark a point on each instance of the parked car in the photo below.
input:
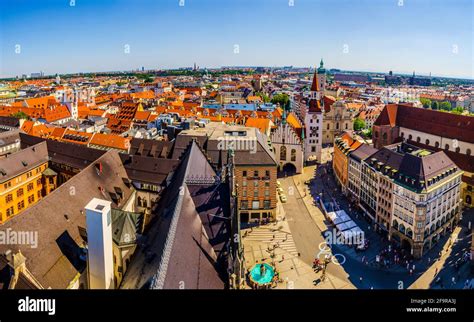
(283, 198)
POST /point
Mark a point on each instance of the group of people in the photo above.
(393, 255)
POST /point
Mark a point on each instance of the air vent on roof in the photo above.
(24, 163)
(3, 172)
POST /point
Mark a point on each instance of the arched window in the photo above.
(384, 136)
(436, 144)
(458, 149)
(409, 233)
(401, 228)
(395, 225)
(410, 137)
(337, 126)
(328, 126)
(283, 153)
(446, 147)
(427, 142)
(418, 139)
(293, 155)
(468, 152)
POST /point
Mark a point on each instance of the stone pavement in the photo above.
(314, 211)
(275, 239)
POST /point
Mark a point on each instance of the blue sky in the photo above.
(378, 35)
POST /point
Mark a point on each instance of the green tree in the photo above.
(425, 102)
(435, 105)
(368, 134)
(445, 106)
(263, 96)
(20, 115)
(359, 124)
(281, 99)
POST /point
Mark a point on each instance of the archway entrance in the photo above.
(288, 169)
(406, 246)
(468, 199)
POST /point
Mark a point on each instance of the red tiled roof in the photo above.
(449, 125)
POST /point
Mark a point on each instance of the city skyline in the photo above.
(117, 35)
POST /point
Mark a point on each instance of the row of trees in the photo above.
(435, 105)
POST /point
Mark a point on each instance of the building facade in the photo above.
(343, 146)
(413, 195)
(288, 146)
(25, 178)
(337, 118)
(433, 130)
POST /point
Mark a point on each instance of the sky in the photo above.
(70, 36)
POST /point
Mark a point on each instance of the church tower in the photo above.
(314, 120)
(322, 77)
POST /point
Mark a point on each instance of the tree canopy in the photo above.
(282, 99)
(359, 124)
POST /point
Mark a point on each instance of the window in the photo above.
(9, 198)
(244, 183)
(267, 173)
(38, 182)
(244, 204)
(293, 155)
(244, 193)
(255, 193)
(19, 193)
(267, 184)
(283, 153)
(255, 173)
(7, 185)
(21, 205)
(31, 199)
(244, 173)
(255, 204)
(29, 187)
(255, 183)
(10, 211)
(266, 204)
(39, 194)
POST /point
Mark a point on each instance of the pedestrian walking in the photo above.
(453, 280)
(360, 279)
(413, 267)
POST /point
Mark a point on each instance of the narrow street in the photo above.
(306, 234)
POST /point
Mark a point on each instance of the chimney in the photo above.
(100, 252)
